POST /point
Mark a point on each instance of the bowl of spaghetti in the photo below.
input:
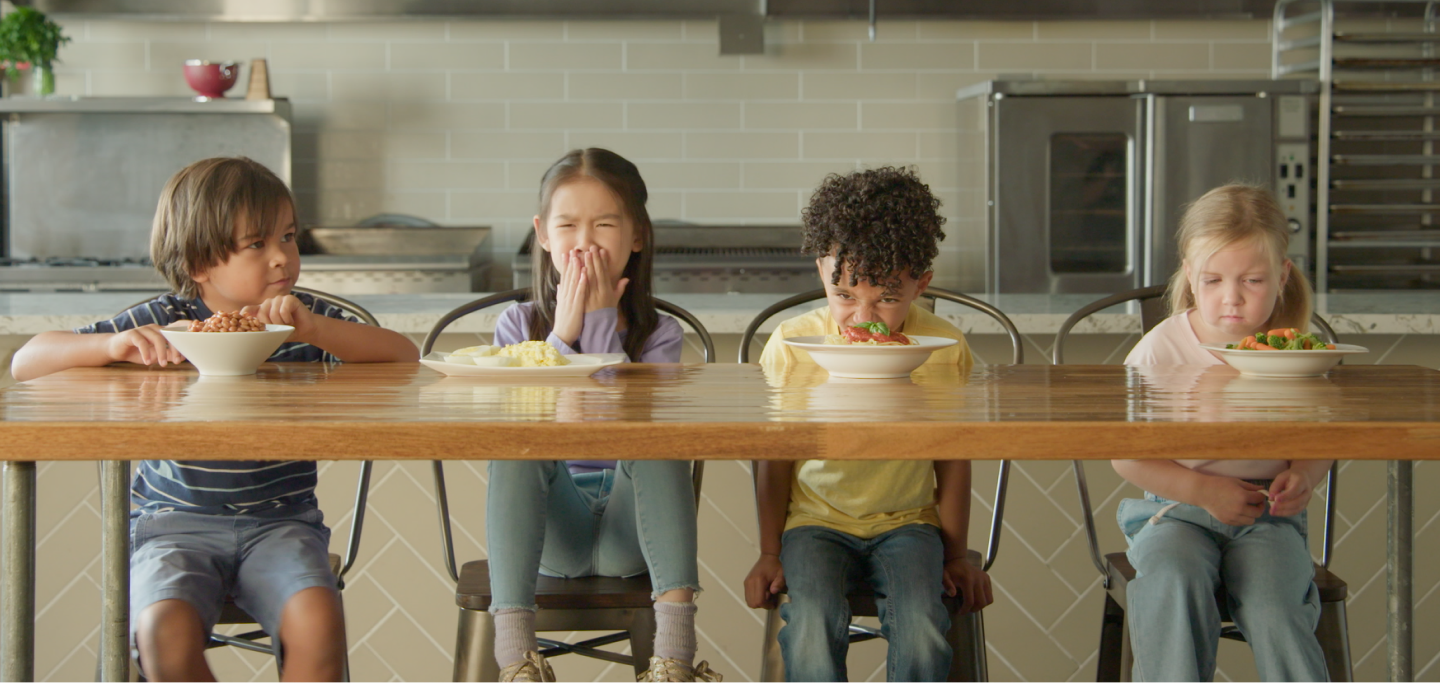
(869, 359)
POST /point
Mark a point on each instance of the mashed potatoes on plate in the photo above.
(535, 354)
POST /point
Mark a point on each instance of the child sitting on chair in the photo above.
(224, 238)
(826, 527)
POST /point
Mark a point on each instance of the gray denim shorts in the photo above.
(260, 561)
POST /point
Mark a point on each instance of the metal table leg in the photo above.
(17, 575)
(1399, 569)
(115, 570)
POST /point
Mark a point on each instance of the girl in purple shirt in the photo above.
(590, 518)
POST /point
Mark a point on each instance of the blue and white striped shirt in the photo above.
(220, 486)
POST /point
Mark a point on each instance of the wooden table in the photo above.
(722, 411)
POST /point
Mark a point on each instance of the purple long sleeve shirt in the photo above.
(598, 334)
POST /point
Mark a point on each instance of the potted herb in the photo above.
(27, 36)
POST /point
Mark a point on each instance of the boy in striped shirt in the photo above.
(224, 238)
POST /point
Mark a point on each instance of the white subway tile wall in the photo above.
(456, 121)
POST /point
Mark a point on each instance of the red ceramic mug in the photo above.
(210, 79)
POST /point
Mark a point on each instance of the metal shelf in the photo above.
(140, 105)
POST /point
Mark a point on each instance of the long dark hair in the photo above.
(637, 304)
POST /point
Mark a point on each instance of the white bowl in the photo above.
(1284, 363)
(227, 353)
(858, 361)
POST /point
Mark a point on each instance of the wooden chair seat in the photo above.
(591, 592)
(1332, 588)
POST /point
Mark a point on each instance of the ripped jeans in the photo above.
(1184, 557)
(541, 519)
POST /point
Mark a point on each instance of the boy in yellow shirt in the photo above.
(829, 526)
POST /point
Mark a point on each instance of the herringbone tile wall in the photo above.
(1044, 624)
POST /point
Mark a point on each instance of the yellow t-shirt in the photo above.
(863, 498)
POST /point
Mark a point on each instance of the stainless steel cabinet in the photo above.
(1087, 180)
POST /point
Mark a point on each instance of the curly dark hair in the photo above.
(880, 223)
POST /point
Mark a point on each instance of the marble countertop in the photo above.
(1380, 313)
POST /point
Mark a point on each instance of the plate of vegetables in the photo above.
(870, 351)
(1285, 352)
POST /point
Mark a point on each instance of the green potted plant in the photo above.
(27, 36)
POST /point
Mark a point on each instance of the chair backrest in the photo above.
(344, 304)
(933, 292)
(1152, 311)
(523, 293)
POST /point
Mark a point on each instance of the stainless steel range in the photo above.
(79, 275)
(711, 259)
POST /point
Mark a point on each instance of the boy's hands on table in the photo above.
(1234, 501)
(286, 310)
(1290, 492)
(765, 581)
(970, 582)
(144, 345)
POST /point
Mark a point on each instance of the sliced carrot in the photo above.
(1286, 332)
(1308, 344)
(1263, 347)
(1330, 346)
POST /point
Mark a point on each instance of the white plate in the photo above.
(861, 361)
(1284, 363)
(581, 365)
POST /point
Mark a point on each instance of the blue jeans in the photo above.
(904, 566)
(1184, 558)
(539, 518)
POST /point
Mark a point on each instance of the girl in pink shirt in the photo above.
(1236, 524)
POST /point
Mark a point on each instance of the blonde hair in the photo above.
(198, 212)
(1229, 215)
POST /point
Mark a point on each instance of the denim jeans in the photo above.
(539, 518)
(904, 566)
(1184, 558)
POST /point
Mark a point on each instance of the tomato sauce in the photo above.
(860, 334)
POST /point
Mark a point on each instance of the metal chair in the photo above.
(523, 293)
(1116, 661)
(967, 632)
(932, 292)
(622, 606)
(232, 614)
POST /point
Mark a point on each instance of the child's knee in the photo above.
(169, 629)
(312, 610)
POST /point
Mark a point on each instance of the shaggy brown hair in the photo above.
(880, 223)
(195, 219)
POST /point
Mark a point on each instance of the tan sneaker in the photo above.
(675, 670)
(532, 668)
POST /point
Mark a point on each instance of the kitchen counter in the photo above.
(1379, 313)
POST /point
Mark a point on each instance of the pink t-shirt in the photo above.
(1173, 342)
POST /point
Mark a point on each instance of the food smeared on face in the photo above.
(869, 334)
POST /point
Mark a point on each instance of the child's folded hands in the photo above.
(1290, 493)
(1233, 501)
(765, 581)
(972, 584)
(285, 310)
(144, 345)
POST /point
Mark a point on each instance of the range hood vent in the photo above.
(376, 10)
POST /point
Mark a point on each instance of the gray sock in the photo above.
(514, 635)
(675, 631)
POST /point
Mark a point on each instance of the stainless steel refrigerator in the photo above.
(1086, 180)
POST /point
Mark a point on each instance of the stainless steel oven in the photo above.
(1087, 180)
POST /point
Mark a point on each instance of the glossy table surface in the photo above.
(721, 411)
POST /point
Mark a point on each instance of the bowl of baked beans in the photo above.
(226, 343)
